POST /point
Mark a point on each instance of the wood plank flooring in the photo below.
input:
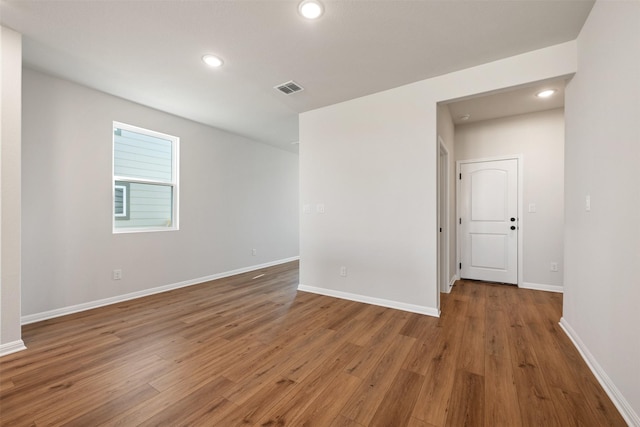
(246, 351)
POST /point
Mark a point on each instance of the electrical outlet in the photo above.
(254, 252)
(117, 274)
(554, 266)
(343, 271)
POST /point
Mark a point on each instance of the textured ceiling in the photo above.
(150, 51)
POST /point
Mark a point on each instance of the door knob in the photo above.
(513, 219)
(513, 227)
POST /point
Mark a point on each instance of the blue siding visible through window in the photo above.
(142, 156)
(150, 206)
(144, 163)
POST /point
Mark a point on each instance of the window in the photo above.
(145, 180)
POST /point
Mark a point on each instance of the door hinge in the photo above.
(460, 266)
(460, 221)
(460, 176)
(441, 229)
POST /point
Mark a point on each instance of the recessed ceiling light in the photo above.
(545, 93)
(311, 9)
(212, 61)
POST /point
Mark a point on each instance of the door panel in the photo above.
(489, 251)
(489, 201)
(488, 195)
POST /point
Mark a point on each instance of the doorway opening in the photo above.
(443, 217)
(512, 122)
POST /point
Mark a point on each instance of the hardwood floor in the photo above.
(253, 351)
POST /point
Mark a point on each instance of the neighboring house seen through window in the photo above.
(145, 180)
(121, 200)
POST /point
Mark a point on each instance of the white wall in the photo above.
(539, 137)
(10, 129)
(235, 195)
(372, 162)
(602, 246)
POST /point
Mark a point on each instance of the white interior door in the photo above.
(489, 221)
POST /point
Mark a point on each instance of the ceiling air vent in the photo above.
(289, 87)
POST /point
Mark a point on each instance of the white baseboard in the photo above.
(429, 311)
(542, 287)
(625, 409)
(32, 318)
(452, 282)
(11, 347)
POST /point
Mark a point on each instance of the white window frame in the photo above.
(174, 184)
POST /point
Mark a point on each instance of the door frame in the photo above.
(443, 181)
(521, 222)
